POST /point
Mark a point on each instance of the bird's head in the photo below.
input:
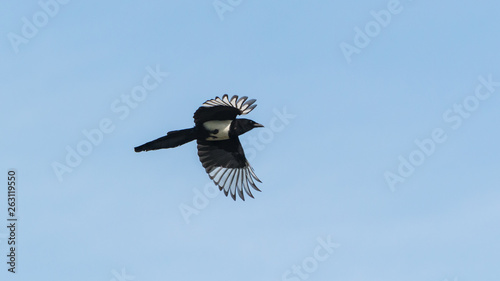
(241, 126)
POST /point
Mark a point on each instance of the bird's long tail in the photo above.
(172, 139)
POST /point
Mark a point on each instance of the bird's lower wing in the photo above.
(225, 163)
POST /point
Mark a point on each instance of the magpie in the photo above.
(216, 132)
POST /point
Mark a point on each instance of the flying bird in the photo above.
(216, 132)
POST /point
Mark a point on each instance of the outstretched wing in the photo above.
(225, 163)
(223, 109)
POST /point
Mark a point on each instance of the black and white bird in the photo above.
(216, 131)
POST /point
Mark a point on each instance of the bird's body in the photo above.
(216, 131)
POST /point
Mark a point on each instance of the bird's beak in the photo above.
(257, 125)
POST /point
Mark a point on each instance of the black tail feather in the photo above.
(172, 139)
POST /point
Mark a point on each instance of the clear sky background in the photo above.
(380, 138)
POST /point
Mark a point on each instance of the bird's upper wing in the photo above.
(226, 165)
(223, 109)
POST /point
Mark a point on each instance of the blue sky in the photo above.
(378, 163)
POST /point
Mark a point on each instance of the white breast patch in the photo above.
(219, 129)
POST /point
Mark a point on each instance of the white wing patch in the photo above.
(219, 129)
(242, 104)
(232, 180)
